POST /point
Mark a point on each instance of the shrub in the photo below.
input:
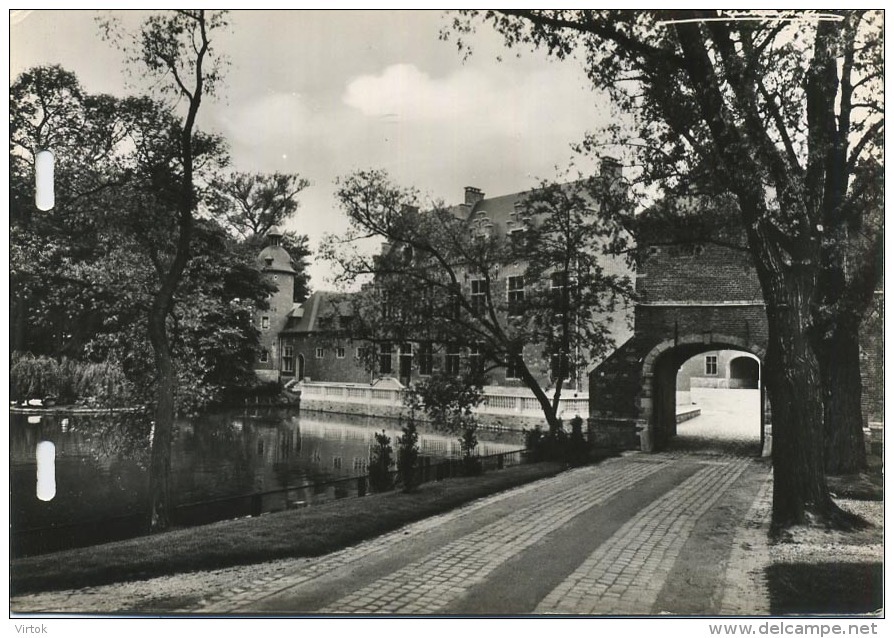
(553, 445)
(408, 456)
(100, 384)
(468, 443)
(380, 462)
(40, 377)
(33, 377)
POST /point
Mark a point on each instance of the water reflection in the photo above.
(100, 467)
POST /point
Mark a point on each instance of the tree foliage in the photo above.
(782, 110)
(251, 204)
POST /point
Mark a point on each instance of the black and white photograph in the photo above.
(393, 314)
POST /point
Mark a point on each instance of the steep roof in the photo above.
(275, 259)
(322, 311)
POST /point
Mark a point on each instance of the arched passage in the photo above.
(657, 419)
(744, 373)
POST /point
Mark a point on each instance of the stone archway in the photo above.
(744, 373)
(656, 419)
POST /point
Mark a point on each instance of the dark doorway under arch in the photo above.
(744, 373)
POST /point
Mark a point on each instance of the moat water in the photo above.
(82, 480)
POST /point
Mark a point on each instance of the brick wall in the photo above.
(705, 272)
(329, 367)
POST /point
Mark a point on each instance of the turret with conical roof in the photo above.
(276, 264)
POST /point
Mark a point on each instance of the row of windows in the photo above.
(515, 295)
(424, 358)
(452, 359)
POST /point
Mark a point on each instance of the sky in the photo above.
(324, 93)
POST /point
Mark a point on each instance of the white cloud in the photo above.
(504, 100)
(404, 92)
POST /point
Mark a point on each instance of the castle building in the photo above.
(314, 341)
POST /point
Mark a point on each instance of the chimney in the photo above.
(473, 195)
(610, 169)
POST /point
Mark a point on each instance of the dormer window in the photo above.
(268, 261)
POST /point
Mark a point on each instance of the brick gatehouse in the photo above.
(693, 298)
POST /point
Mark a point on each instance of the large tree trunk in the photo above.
(163, 429)
(839, 359)
(792, 374)
(793, 381)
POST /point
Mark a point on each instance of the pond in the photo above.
(82, 480)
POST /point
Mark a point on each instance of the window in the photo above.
(265, 356)
(319, 353)
(454, 300)
(517, 239)
(558, 364)
(288, 359)
(385, 358)
(711, 365)
(451, 360)
(405, 361)
(425, 359)
(479, 296)
(476, 363)
(339, 353)
(514, 363)
(516, 296)
(558, 287)
(265, 322)
(358, 353)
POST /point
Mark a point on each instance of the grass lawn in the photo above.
(310, 531)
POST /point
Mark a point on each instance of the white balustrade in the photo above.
(493, 402)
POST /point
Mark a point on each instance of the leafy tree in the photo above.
(51, 312)
(781, 111)
(89, 266)
(175, 49)
(422, 288)
(253, 203)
